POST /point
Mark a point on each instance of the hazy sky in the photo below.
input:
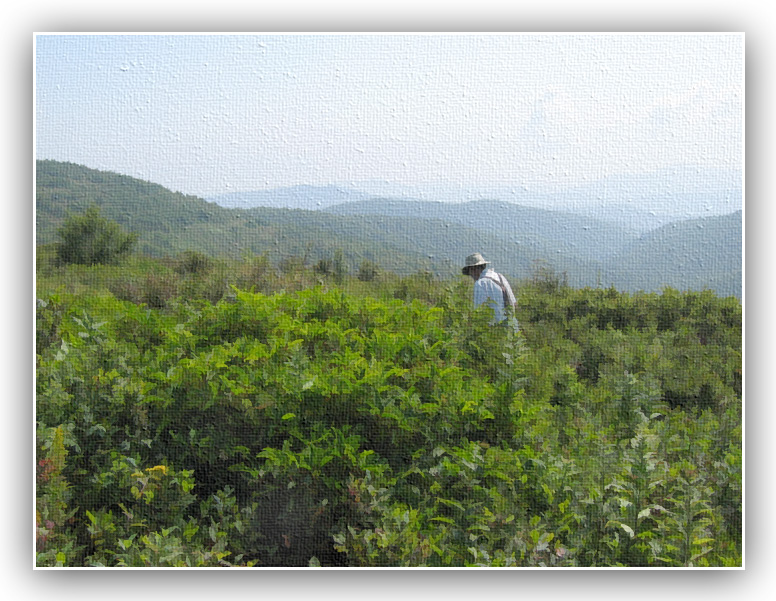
(208, 115)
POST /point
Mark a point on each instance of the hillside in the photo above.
(547, 232)
(638, 202)
(170, 223)
(403, 236)
(688, 255)
(310, 198)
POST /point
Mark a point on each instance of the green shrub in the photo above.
(334, 428)
(90, 239)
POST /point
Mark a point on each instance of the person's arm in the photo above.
(480, 294)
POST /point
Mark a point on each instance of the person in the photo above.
(490, 287)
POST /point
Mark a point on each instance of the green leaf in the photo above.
(451, 503)
(702, 541)
(288, 416)
(625, 527)
(190, 531)
(441, 519)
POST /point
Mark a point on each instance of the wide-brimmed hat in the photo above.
(474, 260)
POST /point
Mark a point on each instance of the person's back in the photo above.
(489, 287)
(494, 289)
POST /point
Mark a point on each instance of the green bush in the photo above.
(333, 428)
(368, 271)
(90, 239)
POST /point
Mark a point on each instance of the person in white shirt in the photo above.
(490, 287)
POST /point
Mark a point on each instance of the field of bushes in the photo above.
(197, 412)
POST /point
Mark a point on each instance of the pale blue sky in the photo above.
(208, 115)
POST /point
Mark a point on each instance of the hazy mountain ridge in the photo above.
(305, 197)
(655, 199)
(169, 223)
(635, 202)
(405, 236)
(692, 254)
(550, 231)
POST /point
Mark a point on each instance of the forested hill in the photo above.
(589, 239)
(690, 255)
(687, 255)
(404, 238)
(169, 223)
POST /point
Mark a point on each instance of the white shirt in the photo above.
(487, 290)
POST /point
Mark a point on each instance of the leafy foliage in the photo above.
(383, 423)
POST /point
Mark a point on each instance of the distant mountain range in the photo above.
(546, 232)
(308, 198)
(687, 255)
(636, 202)
(403, 235)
